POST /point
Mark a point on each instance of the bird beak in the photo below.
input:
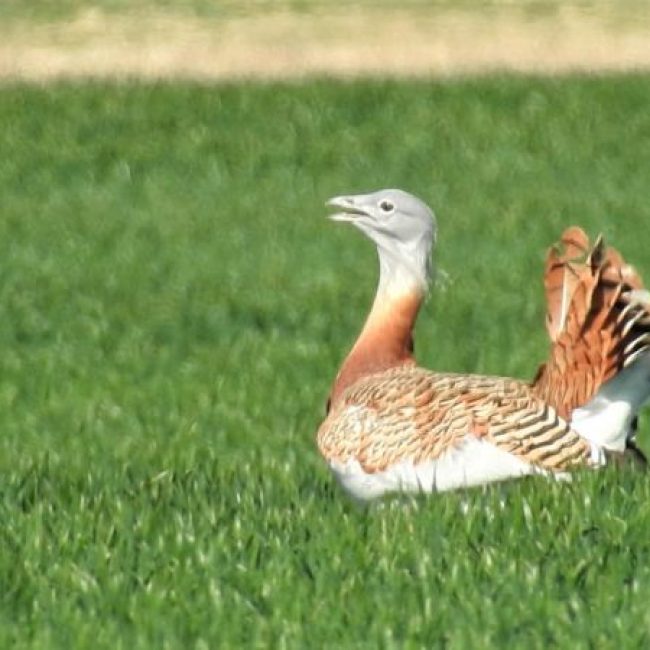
(348, 211)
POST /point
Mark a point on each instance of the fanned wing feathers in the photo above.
(598, 320)
(411, 414)
(561, 275)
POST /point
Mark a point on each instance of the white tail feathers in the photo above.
(607, 418)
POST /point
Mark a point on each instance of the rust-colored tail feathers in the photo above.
(598, 320)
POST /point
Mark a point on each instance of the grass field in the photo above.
(173, 309)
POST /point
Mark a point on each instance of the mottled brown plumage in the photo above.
(598, 320)
(409, 413)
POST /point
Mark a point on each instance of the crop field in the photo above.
(174, 305)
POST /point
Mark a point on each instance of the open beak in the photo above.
(347, 210)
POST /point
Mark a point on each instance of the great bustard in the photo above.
(393, 426)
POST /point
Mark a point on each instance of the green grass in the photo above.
(174, 306)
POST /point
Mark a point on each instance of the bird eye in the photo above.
(386, 205)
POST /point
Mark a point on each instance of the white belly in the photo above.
(473, 462)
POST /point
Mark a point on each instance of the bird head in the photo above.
(402, 226)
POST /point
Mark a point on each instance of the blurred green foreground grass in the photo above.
(174, 305)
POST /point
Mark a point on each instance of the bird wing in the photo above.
(561, 276)
(411, 414)
(598, 318)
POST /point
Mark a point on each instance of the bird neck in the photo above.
(386, 340)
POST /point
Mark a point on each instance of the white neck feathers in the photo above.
(404, 272)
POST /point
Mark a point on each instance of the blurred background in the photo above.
(206, 39)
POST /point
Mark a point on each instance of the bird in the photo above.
(393, 426)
